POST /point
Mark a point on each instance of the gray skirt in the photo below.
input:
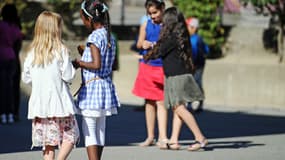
(180, 90)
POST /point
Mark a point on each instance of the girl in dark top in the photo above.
(173, 47)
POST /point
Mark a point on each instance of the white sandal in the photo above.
(147, 142)
(162, 144)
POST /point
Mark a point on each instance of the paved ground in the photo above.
(234, 133)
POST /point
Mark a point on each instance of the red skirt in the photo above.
(149, 83)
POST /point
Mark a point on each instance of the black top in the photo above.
(173, 64)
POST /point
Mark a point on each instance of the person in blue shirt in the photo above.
(199, 52)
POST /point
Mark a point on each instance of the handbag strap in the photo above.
(84, 84)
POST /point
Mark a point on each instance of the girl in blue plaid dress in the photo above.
(97, 97)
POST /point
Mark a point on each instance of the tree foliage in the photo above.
(29, 10)
(209, 14)
(272, 7)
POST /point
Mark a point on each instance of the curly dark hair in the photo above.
(173, 23)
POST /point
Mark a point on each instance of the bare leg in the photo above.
(150, 122)
(48, 153)
(64, 151)
(100, 151)
(162, 123)
(93, 152)
(190, 121)
(176, 127)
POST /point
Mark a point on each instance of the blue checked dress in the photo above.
(98, 97)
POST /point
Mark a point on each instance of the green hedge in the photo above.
(208, 13)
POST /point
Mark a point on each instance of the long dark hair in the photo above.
(98, 12)
(173, 22)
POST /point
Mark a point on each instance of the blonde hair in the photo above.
(47, 43)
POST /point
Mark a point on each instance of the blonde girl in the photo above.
(51, 108)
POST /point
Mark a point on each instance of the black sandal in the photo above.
(198, 145)
(173, 146)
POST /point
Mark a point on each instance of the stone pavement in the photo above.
(237, 128)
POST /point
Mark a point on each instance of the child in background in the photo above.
(199, 52)
(48, 69)
(97, 97)
(174, 48)
(149, 81)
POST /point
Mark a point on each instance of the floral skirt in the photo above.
(54, 131)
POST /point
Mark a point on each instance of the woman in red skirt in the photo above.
(150, 78)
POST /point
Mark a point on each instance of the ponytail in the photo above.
(98, 12)
(106, 22)
(108, 27)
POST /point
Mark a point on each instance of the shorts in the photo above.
(54, 131)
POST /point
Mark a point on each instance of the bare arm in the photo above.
(142, 35)
(142, 43)
(96, 59)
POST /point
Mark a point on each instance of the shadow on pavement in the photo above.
(128, 128)
(214, 145)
